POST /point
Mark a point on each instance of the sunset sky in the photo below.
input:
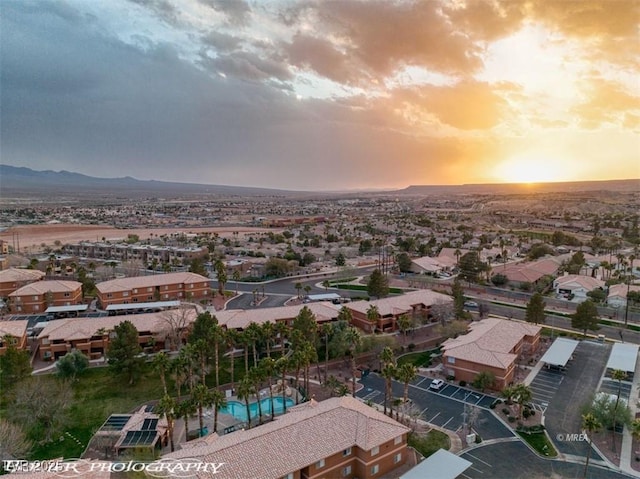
(322, 95)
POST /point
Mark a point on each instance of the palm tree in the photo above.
(202, 350)
(282, 331)
(297, 362)
(236, 278)
(298, 287)
(406, 373)
(616, 375)
(345, 315)
(268, 366)
(256, 374)
(591, 424)
(326, 330)
(282, 366)
(404, 324)
(231, 337)
(523, 395)
(187, 357)
(218, 401)
(245, 390)
(201, 398)
(372, 316)
(325, 284)
(184, 409)
(353, 339)
(310, 356)
(268, 333)
(307, 289)
(161, 364)
(254, 332)
(167, 406)
(388, 373)
(217, 337)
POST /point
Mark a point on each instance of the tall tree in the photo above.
(388, 369)
(406, 373)
(15, 364)
(72, 364)
(162, 364)
(523, 395)
(244, 393)
(231, 339)
(167, 407)
(372, 316)
(202, 398)
(254, 334)
(353, 339)
(305, 322)
(218, 401)
(586, 317)
(256, 374)
(268, 334)
(378, 284)
(326, 330)
(405, 323)
(124, 351)
(268, 367)
(457, 291)
(221, 272)
(616, 375)
(535, 309)
(591, 425)
(282, 366)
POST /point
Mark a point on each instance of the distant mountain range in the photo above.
(20, 181)
(25, 182)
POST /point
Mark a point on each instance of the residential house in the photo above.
(575, 287)
(617, 297)
(519, 274)
(14, 278)
(338, 438)
(158, 287)
(415, 303)
(14, 331)
(434, 266)
(492, 345)
(91, 336)
(35, 298)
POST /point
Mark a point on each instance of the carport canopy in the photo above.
(441, 465)
(623, 357)
(560, 352)
(323, 297)
(66, 309)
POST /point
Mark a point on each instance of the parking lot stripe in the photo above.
(431, 420)
(423, 411)
(477, 459)
(476, 469)
(445, 424)
(421, 381)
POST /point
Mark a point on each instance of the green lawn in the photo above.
(429, 443)
(540, 442)
(97, 395)
(419, 359)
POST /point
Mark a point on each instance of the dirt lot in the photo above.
(32, 237)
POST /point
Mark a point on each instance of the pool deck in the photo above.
(225, 421)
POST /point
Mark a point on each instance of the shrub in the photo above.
(512, 419)
(411, 346)
(450, 378)
(463, 383)
(505, 410)
(526, 413)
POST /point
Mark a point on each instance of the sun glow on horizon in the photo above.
(532, 168)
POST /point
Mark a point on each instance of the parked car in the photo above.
(437, 384)
(470, 304)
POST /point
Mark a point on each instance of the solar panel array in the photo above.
(116, 422)
(139, 438)
(149, 425)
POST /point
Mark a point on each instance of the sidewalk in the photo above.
(627, 454)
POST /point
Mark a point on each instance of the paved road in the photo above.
(514, 460)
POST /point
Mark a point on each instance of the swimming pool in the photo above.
(239, 409)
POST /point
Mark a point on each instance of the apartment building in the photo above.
(13, 278)
(14, 331)
(241, 318)
(159, 287)
(35, 298)
(491, 345)
(337, 438)
(415, 303)
(92, 336)
(146, 254)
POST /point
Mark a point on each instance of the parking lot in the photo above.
(611, 387)
(544, 387)
(445, 408)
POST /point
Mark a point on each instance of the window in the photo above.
(36, 307)
(135, 291)
(397, 458)
(166, 287)
(375, 451)
(125, 294)
(451, 360)
(109, 295)
(346, 452)
(149, 290)
(288, 476)
(320, 464)
(67, 294)
(375, 469)
(346, 471)
(397, 440)
(35, 298)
